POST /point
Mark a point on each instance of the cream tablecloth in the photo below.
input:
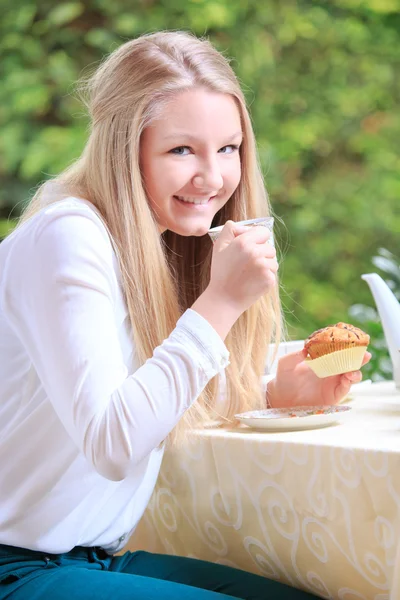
(317, 509)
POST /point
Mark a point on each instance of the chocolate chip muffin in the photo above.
(336, 349)
(333, 338)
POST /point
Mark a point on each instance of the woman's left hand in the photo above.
(295, 384)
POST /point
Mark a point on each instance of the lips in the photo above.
(194, 200)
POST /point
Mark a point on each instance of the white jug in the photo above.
(389, 313)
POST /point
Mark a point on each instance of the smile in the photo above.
(192, 200)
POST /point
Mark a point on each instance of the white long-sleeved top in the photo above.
(81, 426)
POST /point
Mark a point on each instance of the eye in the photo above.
(229, 149)
(180, 150)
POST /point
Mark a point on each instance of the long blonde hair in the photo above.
(124, 95)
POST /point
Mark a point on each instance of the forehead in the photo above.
(198, 112)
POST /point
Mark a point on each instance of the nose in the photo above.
(209, 176)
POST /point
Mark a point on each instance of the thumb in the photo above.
(290, 361)
(229, 231)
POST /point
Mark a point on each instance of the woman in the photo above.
(113, 322)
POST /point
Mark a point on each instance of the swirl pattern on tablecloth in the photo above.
(287, 511)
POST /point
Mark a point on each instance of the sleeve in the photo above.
(61, 289)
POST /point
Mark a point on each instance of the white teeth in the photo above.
(193, 200)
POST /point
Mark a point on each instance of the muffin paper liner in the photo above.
(336, 363)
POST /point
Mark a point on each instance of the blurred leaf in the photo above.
(65, 13)
(100, 38)
(46, 153)
(6, 227)
(126, 24)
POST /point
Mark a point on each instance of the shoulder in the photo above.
(69, 234)
(65, 243)
(71, 214)
(68, 224)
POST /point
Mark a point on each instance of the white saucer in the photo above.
(293, 419)
(376, 388)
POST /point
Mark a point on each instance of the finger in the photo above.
(264, 251)
(342, 388)
(367, 358)
(271, 264)
(353, 376)
(290, 361)
(257, 234)
(228, 233)
(270, 279)
(240, 229)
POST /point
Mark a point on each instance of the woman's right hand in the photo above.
(243, 269)
(244, 265)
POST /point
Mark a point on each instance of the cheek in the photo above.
(173, 176)
(155, 176)
(233, 175)
(166, 178)
(150, 181)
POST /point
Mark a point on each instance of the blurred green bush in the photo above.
(322, 81)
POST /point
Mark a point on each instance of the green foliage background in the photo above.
(322, 81)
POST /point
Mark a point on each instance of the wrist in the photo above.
(270, 394)
(220, 313)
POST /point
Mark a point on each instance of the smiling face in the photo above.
(190, 160)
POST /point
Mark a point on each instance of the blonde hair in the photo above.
(123, 96)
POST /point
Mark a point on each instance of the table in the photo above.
(317, 509)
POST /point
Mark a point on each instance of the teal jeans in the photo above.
(90, 574)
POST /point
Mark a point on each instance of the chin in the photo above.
(195, 231)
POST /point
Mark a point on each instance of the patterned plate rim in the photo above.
(289, 412)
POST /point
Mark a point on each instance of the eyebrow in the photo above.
(188, 136)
